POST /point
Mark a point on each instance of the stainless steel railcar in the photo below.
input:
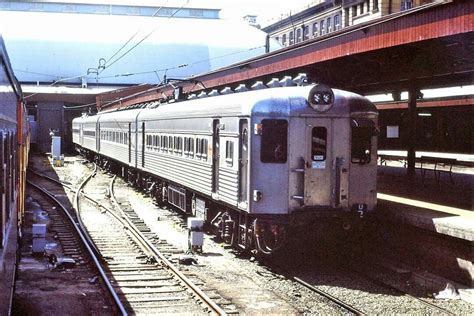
(252, 163)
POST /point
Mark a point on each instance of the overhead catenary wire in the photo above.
(185, 65)
(155, 71)
(107, 65)
(135, 34)
(145, 72)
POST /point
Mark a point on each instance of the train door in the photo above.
(143, 144)
(318, 166)
(129, 142)
(243, 160)
(215, 156)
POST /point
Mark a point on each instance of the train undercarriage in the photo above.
(263, 234)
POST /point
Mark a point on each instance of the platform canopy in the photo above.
(91, 49)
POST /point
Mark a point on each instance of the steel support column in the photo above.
(411, 145)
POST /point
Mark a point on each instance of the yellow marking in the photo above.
(431, 206)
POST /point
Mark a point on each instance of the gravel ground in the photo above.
(42, 290)
(265, 286)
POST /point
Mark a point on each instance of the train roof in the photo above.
(118, 116)
(278, 102)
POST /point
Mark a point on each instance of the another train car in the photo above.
(14, 144)
(252, 164)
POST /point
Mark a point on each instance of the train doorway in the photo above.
(243, 160)
(215, 156)
(318, 166)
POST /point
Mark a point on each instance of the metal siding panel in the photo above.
(115, 151)
(89, 143)
(187, 172)
(228, 186)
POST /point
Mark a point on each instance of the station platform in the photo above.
(426, 221)
(461, 159)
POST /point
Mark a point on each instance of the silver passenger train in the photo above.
(251, 164)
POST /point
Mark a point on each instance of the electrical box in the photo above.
(55, 147)
(195, 233)
(39, 238)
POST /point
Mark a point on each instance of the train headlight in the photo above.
(321, 98)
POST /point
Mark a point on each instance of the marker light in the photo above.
(321, 98)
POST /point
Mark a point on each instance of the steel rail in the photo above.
(123, 219)
(76, 205)
(196, 290)
(328, 296)
(102, 273)
(393, 288)
(120, 219)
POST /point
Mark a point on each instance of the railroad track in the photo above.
(435, 308)
(329, 296)
(145, 280)
(73, 241)
(361, 293)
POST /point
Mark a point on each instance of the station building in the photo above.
(66, 52)
(326, 16)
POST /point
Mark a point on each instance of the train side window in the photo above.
(229, 153)
(361, 140)
(198, 148)
(186, 146)
(180, 146)
(204, 148)
(170, 144)
(274, 147)
(191, 147)
(318, 143)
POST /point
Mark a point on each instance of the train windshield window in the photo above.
(274, 141)
(361, 140)
(318, 143)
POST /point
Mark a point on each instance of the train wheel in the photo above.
(269, 237)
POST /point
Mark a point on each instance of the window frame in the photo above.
(274, 142)
(229, 153)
